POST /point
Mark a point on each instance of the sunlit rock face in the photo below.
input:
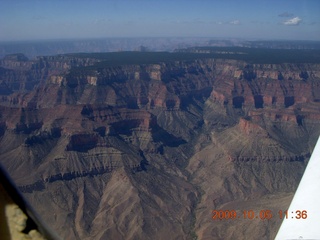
(148, 150)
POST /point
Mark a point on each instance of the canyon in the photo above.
(134, 145)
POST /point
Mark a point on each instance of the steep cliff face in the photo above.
(20, 74)
(140, 150)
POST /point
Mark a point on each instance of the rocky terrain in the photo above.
(149, 147)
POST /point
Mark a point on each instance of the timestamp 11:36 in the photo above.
(262, 214)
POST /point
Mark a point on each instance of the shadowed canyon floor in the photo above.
(148, 148)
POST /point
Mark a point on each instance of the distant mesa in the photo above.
(20, 57)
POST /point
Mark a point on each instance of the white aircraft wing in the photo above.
(302, 220)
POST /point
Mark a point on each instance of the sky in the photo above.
(73, 19)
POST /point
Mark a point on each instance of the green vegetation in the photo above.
(114, 59)
(253, 55)
(262, 55)
(250, 55)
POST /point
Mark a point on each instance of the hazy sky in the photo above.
(259, 19)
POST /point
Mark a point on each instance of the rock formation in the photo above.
(146, 149)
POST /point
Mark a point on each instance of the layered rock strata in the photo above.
(143, 150)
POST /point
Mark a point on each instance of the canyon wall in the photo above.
(143, 150)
